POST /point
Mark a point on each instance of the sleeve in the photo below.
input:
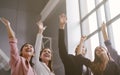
(115, 68)
(62, 49)
(112, 52)
(14, 55)
(83, 60)
(38, 44)
(117, 71)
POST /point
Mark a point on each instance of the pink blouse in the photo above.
(19, 65)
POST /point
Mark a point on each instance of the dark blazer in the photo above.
(113, 52)
(72, 64)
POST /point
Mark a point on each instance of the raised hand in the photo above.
(104, 31)
(80, 48)
(10, 31)
(62, 19)
(83, 38)
(40, 25)
(103, 28)
(5, 21)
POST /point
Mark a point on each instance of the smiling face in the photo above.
(101, 52)
(27, 50)
(45, 55)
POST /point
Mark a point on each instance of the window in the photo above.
(97, 11)
(115, 12)
(92, 22)
(92, 14)
(114, 7)
(116, 34)
(90, 5)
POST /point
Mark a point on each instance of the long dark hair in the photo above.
(98, 65)
(31, 63)
(50, 62)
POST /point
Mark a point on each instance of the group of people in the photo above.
(38, 61)
(30, 61)
(106, 61)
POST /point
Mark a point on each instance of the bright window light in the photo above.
(91, 5)
(115, 10)
(116, 34)
(114, 7)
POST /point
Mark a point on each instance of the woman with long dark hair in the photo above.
(43, 57)
(19, 64)
(109, 46)
(103, 64)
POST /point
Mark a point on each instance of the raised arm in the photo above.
(107, 42)
(61, 41)
(8, 27)
(80, 48)
(14, 55)
(104, 32)
(40, 26)
(38, 42)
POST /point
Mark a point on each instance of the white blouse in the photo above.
(40, 67)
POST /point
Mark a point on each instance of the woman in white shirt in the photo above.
(43, 57)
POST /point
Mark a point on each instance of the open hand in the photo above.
(62, 19)
(5, 21)
(83, 38)
(40, 25)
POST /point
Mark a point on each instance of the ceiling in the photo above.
(25, 5)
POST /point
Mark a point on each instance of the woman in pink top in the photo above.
(20, 64)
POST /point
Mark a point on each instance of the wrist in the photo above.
(40, 31)
(62, 26)
(7, 25)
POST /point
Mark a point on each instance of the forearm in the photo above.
(38, 44)
(79, 51)
(104, 31)
(62, 26)
(11, 33)
(105, 35)
(80, 47)
(61, 44)
(8, 27)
